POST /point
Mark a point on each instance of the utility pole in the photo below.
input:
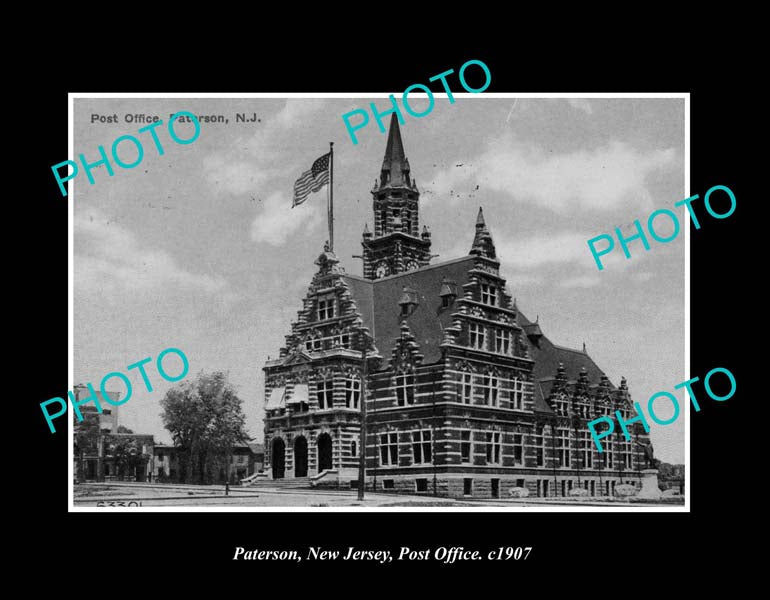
(363, 337)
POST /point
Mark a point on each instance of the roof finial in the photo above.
(482, 241)
(584, 347)
(395, 166)
(480, 219)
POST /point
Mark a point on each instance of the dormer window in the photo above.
(325, 308)
(448, 292)
(488, 294)
(408, 302)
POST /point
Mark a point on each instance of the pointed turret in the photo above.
(482, 241)
(395, 244)
(395, 166)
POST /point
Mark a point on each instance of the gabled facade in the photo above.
(465, 395)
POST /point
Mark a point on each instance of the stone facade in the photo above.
(465, 395)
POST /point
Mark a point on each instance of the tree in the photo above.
(122, 429)
(126, 453)
(205, 419)
(86, 440)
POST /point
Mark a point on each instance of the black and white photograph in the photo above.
(324, 303)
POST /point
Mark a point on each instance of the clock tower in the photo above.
(396, 245)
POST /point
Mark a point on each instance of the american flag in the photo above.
(312, 180)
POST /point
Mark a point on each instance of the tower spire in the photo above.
(482, 241)
(395, 244)
(395, 166)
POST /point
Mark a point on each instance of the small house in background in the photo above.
(105, 450)
(246, 460)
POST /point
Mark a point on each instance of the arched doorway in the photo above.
(324, 444)
(279, 458)
(300, 457)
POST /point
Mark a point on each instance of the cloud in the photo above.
(249, 163)
(581, 104)
(108, 258)
(537, 250)
(278, 221)
(601, 179)
(234, 176)
(641, 277)
(581, 281)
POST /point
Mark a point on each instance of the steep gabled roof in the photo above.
(378, 303)
(548, 356)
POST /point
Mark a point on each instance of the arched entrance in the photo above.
(300, 457)
(278, 458)
(324, 444)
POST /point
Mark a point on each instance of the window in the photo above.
(495, 488)
(518, 449)
(465, 446)
(389, 449)
(627, 458)
(353, 449)
(446, 301)
(607, 454)
(520, 483)
(490, 383)
(467, 486)
(405, 388)
(563, 487)
(562, 447)
(314, 344)
(488, 294)
(467, 388)
(539, 447)
(493, 447)
(476, 338)
(584, 450)
(421, 447)
(326, 308)
(517, 394)
(582, 408)
(325, 393)
(502, 341)
(421, 485)
(341, 340)
(387, 484)
(352, 392)
(561, 405)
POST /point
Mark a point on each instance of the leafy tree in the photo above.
(124, 452)
(86, 439)
(205, 419)
(122, 429)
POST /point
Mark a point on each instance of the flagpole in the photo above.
(331, 196)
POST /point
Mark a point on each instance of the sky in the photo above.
(199, 248)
